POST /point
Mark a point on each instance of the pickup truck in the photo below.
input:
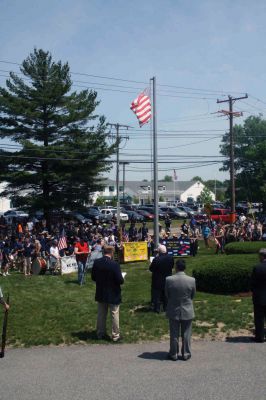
(221, 214)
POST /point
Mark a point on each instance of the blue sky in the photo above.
(217, 46)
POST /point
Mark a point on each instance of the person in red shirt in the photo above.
(81, 251)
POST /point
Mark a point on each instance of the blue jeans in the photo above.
(81, 272)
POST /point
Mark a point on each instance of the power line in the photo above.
(222, 92)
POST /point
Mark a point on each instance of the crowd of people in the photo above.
(22, 242)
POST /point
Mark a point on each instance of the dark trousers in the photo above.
(259, 318)
(158, 298)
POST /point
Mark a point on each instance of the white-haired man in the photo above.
(161, 267)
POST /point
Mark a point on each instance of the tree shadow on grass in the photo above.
(143, 309)
(157, 355)
(72, 282)
(89, 336)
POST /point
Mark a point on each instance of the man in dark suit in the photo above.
(258, 287)
(180, 290)
(107, 275)
(161, 267)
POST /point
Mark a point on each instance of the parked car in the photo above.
(109, 213)
(150, 209)
(134, 216)
(16, 214)
(10, 215)
(171, 212)
(179, 213)
(123, 215)
(221, 214)
(129, 207)
(188, 210)
(94, 214)
(146, 214)
(80, 217)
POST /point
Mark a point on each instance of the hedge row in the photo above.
(244, 247)
(224, 275)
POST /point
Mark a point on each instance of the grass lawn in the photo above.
(55, 310)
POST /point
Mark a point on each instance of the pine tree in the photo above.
(61, 149)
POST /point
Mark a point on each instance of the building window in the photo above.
(111, 188)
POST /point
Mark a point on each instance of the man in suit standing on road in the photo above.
(161, 267)
(258, 287)
(180, 290)
(108, 277)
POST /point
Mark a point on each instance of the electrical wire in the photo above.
(217, 92)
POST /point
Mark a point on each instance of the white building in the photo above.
(168, 191)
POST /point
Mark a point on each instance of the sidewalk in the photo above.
(216, 371)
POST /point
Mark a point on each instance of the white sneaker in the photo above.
(7, 273)
(4, 274)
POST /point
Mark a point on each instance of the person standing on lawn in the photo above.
(81, 250)
(180, 290)
(108, 277)
(258, 287)
(161, 267)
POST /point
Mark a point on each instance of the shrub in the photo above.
(227, 274)
(243, 247)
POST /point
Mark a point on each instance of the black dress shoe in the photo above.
(186, 358)
(172, 358)
(258, 340)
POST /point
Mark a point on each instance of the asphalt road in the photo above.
(216, 371)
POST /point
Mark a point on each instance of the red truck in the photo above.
(222, 214)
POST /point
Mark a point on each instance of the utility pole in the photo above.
(155, 167)
(124, 163)
(118, 138)
(231, 115)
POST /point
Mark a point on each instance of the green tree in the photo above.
(205, 195)
(61, 148)
(250, 161)
(167, 178)
(197, 178)
(217, 187)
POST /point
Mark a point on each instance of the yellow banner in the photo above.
(135, 251)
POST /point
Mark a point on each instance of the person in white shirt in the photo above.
(242, 218)
(54, 256)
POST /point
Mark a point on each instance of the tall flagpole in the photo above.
(155, 168)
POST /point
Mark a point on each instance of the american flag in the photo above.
(62, 243)
(125, 237)
(141, 106)
(175, 176)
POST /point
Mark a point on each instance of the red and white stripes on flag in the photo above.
(141, 106)
(62, 243)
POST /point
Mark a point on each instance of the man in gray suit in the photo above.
(180, 290)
